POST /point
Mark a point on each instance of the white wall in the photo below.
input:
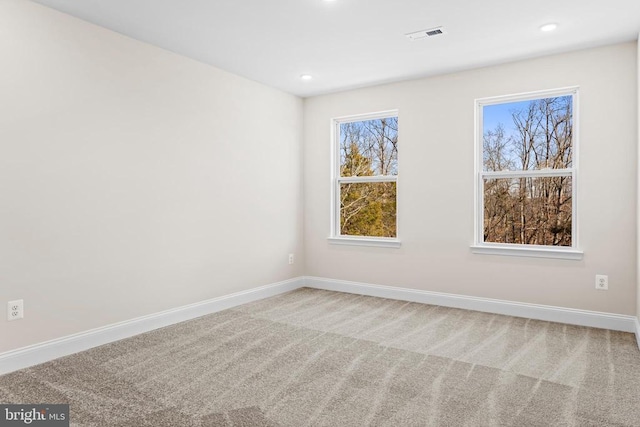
(638, 197)
(133, 180)
(435, 202)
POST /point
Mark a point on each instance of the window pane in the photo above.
(369, 147)
(532, 211)
(528, 135)
(368, 209)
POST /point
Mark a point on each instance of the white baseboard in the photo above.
(571, 316)
(50, 350)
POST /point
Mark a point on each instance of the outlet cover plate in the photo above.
(602, 282)
(15, 310)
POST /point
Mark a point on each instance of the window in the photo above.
(526, 175)
(365, 173)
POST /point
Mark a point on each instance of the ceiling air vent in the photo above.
(423, 34)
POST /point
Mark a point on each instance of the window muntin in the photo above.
(365, 176)
(526, 170)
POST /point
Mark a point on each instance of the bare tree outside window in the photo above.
(368, 155)
(527, 173)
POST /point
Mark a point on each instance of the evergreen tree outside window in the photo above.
(365, 177)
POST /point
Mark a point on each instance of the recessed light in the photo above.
(306, 77)
(548, 27)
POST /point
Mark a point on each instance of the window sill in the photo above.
(380, 242)
(532, 252)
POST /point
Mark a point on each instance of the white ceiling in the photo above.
(346, 44)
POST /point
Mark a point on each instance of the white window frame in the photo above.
(335, 237)
(510, 249)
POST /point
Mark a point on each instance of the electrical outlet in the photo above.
(15, 309)
(602, 282)
(290, 259)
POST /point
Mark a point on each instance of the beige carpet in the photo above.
(319, 358)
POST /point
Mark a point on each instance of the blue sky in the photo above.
(501, 113)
